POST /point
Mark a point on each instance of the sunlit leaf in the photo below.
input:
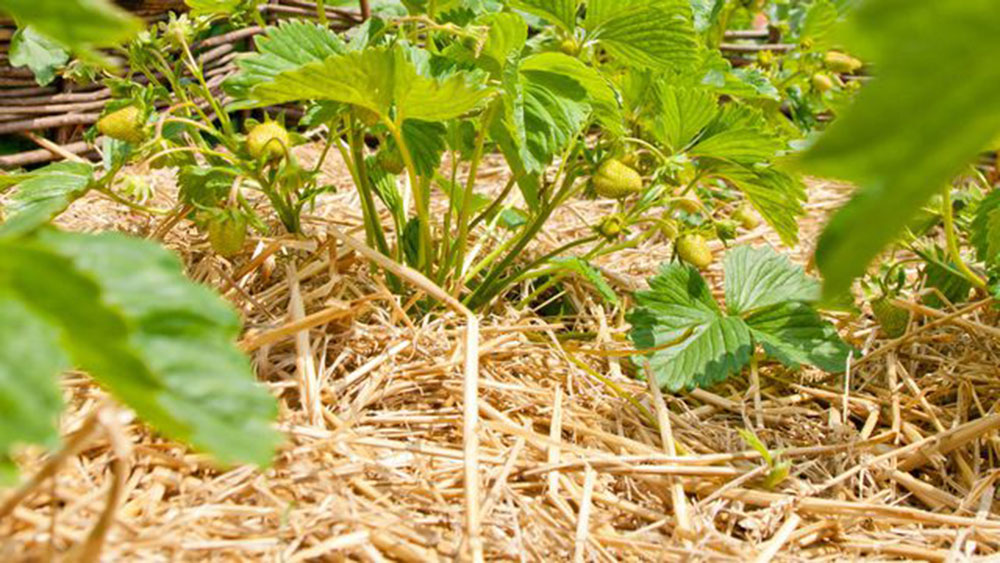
(44, 194)
(37, 52)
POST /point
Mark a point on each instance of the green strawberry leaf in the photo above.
(288, 46)
(683, 112)
(758, 278)
(37, 52)
(203, 187)
(41, 195)
(213, 7)
(768, 301)
(984, 232)
(651, 33)
(125, 313)
(592, 275)
(679, 303)
(383, 80)
(560, 12)
(777, 195)
(795, 334)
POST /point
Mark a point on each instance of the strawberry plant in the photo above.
(769, 304)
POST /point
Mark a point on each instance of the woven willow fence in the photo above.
(62, 111)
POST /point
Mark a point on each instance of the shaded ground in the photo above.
(898, 458)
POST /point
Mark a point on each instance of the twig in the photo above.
(677, 497)
(90, 551)
(583, 519)
(779, 539)
(74, 443)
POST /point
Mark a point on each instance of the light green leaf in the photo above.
(288, 46)
(760, 277)
(560, 12)
(44, 194)
(820, 17)
(652, 33)
(775, 194)
(679, 302)
(542, 111)
(683, 113)
(213, 7)
(913, 127)
(37, 52)
(795, 334)
(706, 13)
(601, 95)
(77, 24)
(379, 79)
(505, 39)
(743, 145)
(592, 275)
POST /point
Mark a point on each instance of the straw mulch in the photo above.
(896, 459)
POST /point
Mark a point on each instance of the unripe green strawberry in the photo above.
(670, 228)
(841, 62)
(268, 141)
(368, 117)
(821, 82)
(765, 58)
(569, 46)
(892, 319)
(747, 217)
(391, 160)
(611, 226)
(615, 180)
(726, 229)
(125, 124)
(227, 232)
(694, 250)
(688, 204)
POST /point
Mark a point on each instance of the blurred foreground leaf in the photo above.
(930, 109)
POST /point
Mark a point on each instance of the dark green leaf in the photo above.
(679, 302)
(795, 334)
